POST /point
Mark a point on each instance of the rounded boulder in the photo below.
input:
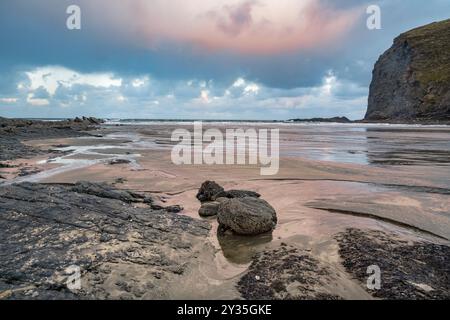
(247, 216)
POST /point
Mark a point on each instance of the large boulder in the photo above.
(247, 216)
(208, 190)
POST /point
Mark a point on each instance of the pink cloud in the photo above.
(235, 18)
(249, 26)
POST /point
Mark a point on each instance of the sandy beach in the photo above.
(317, 202)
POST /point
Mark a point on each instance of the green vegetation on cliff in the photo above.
(433, 43)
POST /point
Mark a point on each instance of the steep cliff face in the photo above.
(411, 81)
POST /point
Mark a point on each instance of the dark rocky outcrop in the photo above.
(118, 161)
(247, 216)
(286, 273)
(238, 210)
(410, 270)
(103, 190)
(411, 80)
(208, 190)
(211, 191)
(236, 194)
(14, 131)
(125, 250)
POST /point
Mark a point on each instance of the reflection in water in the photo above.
(334, 143)
(400, 146)
(369, 144)
(240, 249)
(365, 144)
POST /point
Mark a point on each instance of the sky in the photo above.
(197, 59)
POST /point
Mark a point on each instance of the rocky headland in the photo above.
(411, 80)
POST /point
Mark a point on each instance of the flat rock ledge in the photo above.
(123, 247)
(409, 271)
(286, 273)
(14, 131)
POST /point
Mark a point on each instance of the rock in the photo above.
(236, 194)
(247, 216)
(408, 268)
(94, 120)
(174, 209)
(13, 131)
(287, 273)
(118, 161)
(28, 171)
(220, 200)
(209, 209)
(40, 238)
(120, 180)
(411, 80)
(208, 190)
(104, 190)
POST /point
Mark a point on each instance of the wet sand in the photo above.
(315, 200)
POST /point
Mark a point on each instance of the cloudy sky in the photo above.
(197, 59)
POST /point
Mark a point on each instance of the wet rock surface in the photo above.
(209, 209)
(286, 273)
(14, 131)
(247, 216)
(103, 190)
(211, 191)
(241, 211)
(208, 190)
(236, 194)
(119, 161)
(124, 251)
(409, 270)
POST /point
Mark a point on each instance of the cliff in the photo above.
(411, 80)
